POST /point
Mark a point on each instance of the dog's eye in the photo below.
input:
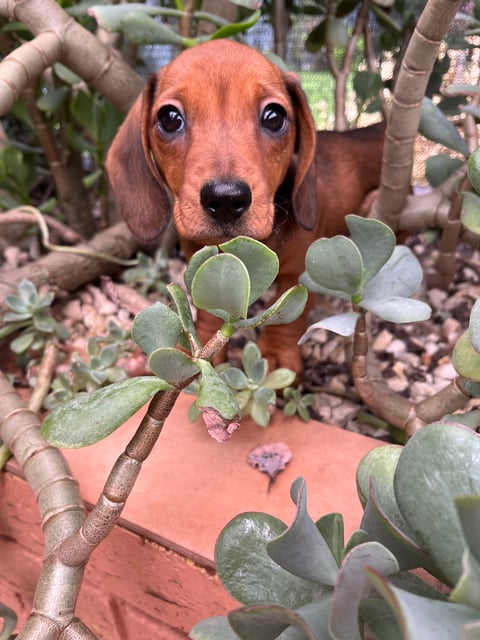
(170, 120)
(274, 118)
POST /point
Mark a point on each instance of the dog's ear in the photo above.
(304, 194)
(140, 193)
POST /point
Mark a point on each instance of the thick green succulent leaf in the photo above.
(250, 356)
(331, 527)
(288, 307)
(474, 326)
(246, 569)
(474, 170)
(315, 287)
(380, 528)
(141, 29)
(357, 537)
(465, 358)
(222, 283)
(353, 584)
(213, 392)
(110, 17)
(467, 589)
(440, 167)
(343, 324)
(470, 215)
(380, 619)
(401, 276)
(235, 378)
(270, 621)
(367, 84)
(261, 262)
(198, 258)
(380, 463)
(375, 240)
(232, 29)
(398, 309)
(182, 306)
(419, 617)
(156, 327)
(468, 508)
(301, 549)
(435, 126)
(336, 263)
(172, 365)
(441, 462)
(279, 379)
(89, 417)
(216, 628)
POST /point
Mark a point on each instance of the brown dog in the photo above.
(225, 141)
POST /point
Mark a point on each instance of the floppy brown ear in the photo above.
(304, 194)
(140, 193)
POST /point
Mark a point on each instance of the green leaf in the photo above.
(250, 355)
(264, 396)
(23, 342)
(89, 417)
(286, 309)
(470, 215)
(156, 327)
(110, 17)
(53, 99)
(301, 549)
(367, 84)
(336, 263)
(267, 622)
(9, 621)
(259, 413)
(435, 126)
(466, 359)
(337, 32)
(353, 584)
(474, 326)
(246, 569)
(468, 508)
(172, 365)
(260, 261)
(400, 276)
(182, 306)
(380, 619)
(217, 628)
(331, 528)
(229, 30)
(342, 324)
(440, 167)
(279, 379)
(467, 589)
(235, 378)
(439, 463)
(375, 240)
(398, 309)
(198, 258)
(222, 283)
(214, 393)
(141, 29)
(420, 617)
(474, 170)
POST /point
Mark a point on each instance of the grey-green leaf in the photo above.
(375, 240)
(172, 365)
(435, 126)
(156, 327)
(89, 417)
(336, 263)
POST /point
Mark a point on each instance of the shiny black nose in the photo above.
(225, 200)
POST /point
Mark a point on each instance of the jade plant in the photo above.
(254, 386)
(421, 510)
(175, 355)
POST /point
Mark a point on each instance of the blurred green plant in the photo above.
(421, 510)
(151, 273)
(297, 403)
(31, 317)
(99, 369)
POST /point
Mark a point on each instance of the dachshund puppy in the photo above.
(224, 141)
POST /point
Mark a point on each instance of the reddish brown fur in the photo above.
(221, 88)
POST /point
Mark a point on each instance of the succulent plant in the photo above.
(422, 510)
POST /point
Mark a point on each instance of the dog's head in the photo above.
(212, 139)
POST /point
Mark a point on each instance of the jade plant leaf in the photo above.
(474, 326)
(465, 358)
(141, 29)
(198, 258)
(182, 306)
(288, 307)
(89, 417)
(301, 549)
(435, 126)
(268, 621)
(213, 393)
(353, 584)
(375, 240)
(401, 275)
(331, 527)
(260, 261)
(440, 167)
(172, 365)
(380, 619)
(246, 569)
(468, 508)
(470, 215)
(156, 327)
(467, 589)
(222, 286)
(342, 324)
(419, 617)
(216, 628)
(427, 483)
(473, 167)
(336, 263)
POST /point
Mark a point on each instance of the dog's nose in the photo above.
(225, 200)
